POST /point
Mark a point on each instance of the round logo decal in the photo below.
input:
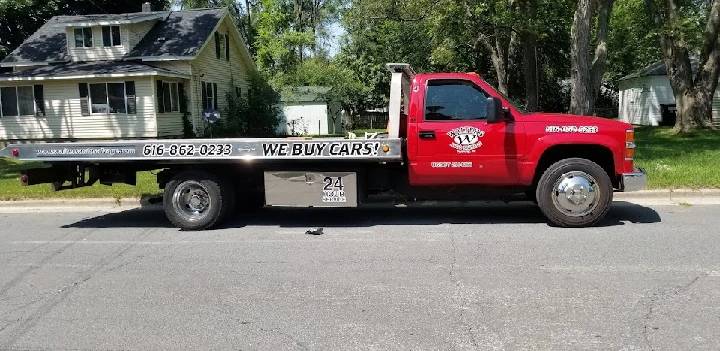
(466, 139)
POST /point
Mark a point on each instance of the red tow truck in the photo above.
(450, 136)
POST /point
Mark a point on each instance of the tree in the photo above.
(631, 40)
(529, 35)
(484, 28)
(379, 32)
(586, 72)
(693, 92)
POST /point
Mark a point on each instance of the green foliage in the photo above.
(632, 40)
(253, 114)
(345, 88)
(378, 33)
(287, 32)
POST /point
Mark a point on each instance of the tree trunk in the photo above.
(501, 53)
(600, 58)
(530, 63)
(586, 77)
(580, 59)
(693, 97)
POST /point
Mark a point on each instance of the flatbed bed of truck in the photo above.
(211, 150)
(451, 136)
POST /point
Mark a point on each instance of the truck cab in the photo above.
(460, 131)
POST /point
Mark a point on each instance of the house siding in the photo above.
(309, 118)
(130, 35)
(169, 124)
(98, 51)
(63, 119)
(219, 71)
(183, 67)
(641, 99)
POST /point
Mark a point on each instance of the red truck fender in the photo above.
(588, 146)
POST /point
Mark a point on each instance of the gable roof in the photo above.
(182, 33)
(658, 69)
(74, 70)
(177, 35)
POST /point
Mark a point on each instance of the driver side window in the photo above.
(454, 100)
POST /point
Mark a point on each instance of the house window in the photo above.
(17, 101)
(209, 95)
(171, 97)
(83, 37)
(223, 42)
(108, 98)
(111, 36)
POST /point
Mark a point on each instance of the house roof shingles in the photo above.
(47, 44)
(178, 33)
(658, 69)
(74, 69)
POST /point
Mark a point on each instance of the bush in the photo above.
(253, 114)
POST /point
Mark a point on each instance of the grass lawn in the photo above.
(688, 161)
(10, 188)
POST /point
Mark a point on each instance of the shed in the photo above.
(308, 110)
(646, 97)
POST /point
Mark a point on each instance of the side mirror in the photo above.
(495, 112)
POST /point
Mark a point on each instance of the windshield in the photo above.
(512, 102)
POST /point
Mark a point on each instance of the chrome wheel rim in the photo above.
(576, 194)
(191, 200)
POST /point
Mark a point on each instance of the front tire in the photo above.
(574, 193)
(197, 200)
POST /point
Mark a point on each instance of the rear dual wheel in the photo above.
(197, 200)
(574, 192)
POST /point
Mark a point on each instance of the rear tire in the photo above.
(197, 200)
(574, 193)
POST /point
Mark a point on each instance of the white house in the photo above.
(646, 94)
(307, 111)
(123, 76)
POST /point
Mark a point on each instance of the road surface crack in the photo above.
(454, 254)
(287, 336)
(460, 292)
(11, 322)
(653, 302)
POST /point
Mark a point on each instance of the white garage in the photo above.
(307, 111)
(646, 97)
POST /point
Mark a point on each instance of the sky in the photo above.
(336, 32)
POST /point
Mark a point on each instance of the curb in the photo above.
(669, 194)
(85, 203)
(703, 195)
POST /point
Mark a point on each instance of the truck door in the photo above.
(456, 145)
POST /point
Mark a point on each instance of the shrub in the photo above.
(255, 113)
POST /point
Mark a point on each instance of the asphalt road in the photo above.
(472, 278)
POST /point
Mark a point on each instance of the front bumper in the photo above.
(633, 181)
